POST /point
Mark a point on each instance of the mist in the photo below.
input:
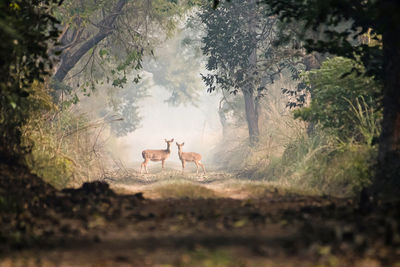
(198, 127)
(177, 105)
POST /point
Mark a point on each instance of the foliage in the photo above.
(378, 52)
(66, 147)
(116, 61)
(110, 38)
(178, 66)
(336, 93)
(233, 32)
(364, 17)
(23, 59)
(290, 155)
(124, 105)
(242, 56)
(322, 164)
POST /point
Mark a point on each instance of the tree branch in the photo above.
(107, 23)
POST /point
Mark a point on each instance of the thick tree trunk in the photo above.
(251, 108)
(250, 102)
(389, 143)
(69, 60)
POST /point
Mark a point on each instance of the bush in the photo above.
(336, 157)
(337, 89)
(65, 146)
(321, 164)
(27, 30)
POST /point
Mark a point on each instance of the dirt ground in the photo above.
(163, 226)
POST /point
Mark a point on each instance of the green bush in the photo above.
(63, 145)
(336, 89)
(321, 164)
(336, 157)
(27, 31)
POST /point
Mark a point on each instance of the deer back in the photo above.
(161, 154)
(190, 156)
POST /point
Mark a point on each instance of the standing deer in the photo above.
(189, 156)
(156, 155)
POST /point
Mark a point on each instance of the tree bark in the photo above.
(105, 29)
(250, 102)
(389, 143)
(251, 116)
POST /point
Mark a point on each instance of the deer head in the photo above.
(180, 145)
(169, 143)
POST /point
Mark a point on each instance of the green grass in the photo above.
(181, 188)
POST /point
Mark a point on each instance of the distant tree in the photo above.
(239, 43)
(177, 65)
(27, 30)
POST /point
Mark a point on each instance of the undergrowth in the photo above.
(326, 147)
(66, 145)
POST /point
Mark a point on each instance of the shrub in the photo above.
(336, 92)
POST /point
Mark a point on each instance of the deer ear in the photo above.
(183, 143)
(172, 140)
(177, 144)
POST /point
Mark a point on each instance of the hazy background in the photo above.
(198, 127)
(176, 105)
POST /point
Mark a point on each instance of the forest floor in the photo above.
(188, 220)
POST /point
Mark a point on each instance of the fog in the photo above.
(198, 127)
(178, 105)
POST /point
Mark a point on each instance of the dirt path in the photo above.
(172, 183)
(91, 226)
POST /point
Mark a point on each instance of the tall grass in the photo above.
(366, 118)
(319, 161)
(67, 147)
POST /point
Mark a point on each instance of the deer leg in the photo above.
(202, 166)
(163, 163)
(183, 165)
(197, 167)
(143, 165)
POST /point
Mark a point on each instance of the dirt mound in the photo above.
(33, 212)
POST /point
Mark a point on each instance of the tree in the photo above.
(176, 67)
(27, 31)
(242, 56)
(107, 39)
(379, 21)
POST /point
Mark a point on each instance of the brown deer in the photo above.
(190, 157)
(156, 155)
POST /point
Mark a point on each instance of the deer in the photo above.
(190, 157)
(156, 155)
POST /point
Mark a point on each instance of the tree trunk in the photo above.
(250, 102)
(389, 144)
(69, 60)
(251, 108)
(222, 118)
